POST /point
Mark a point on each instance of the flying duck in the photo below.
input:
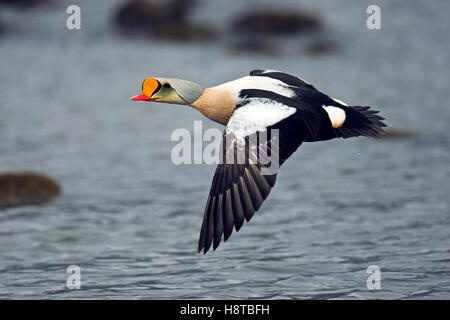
(266, 101)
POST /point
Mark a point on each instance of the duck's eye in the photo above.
(166, 85)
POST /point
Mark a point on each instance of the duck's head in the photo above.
(169, 91)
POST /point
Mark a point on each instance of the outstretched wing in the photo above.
(259, 137)
(238, 189)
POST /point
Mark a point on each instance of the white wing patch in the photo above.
(257, 115)
(336, 115)
(261, 83)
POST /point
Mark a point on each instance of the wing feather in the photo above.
(239, 188)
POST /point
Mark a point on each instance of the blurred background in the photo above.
(102, 193)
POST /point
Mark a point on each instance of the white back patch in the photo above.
(260, 83)
(336, 115)
(257, 115)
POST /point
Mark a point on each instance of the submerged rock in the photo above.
(265, 31)
(276, 22)
(24, 188)
(144, 14)
(166, 20)
(322, 47)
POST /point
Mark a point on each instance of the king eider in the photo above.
(265, 100)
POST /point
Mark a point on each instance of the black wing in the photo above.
(244, 180)
(238, 189)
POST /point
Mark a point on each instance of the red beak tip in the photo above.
(141, 97)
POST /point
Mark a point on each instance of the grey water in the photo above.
(130, 218)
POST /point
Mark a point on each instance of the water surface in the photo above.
(130, 218)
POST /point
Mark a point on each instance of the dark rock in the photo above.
(186, 32)
(393, 133)
(273, 22)
(167, 20)
(24, 188)
(319, 47)
(143, 14)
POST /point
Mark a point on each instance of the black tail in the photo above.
(361, 121)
